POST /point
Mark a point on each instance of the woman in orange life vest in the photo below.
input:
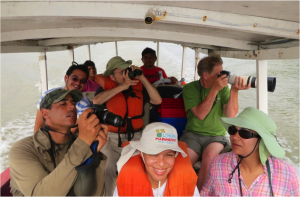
(153, 166)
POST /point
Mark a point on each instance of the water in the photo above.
(20, 87)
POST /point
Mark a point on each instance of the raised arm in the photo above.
(105, 95)
(232, 107)
(153, 93)
(202, 109)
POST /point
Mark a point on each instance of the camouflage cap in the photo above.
(116, 62)
(58, 95)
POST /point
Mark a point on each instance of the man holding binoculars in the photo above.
(54, 162)
(124, 92)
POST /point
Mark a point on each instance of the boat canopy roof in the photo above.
(239, 29)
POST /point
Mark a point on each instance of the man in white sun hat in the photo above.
(153, 167)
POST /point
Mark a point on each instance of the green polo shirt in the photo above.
(211, 124)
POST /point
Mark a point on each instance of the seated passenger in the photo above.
(156, 165)
(125, 97)
(150, 70)
(255, 156)
(205, 101)
(50, 163)
(91, 85)
(75, 78)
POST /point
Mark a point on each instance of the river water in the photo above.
(20, 87)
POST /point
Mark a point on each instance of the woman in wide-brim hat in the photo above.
(156, 165)
(253, 168)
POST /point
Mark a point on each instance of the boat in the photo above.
(252, 30)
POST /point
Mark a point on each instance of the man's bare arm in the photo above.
(202, 110)
(107, 94)
(232, 107)
(153, 93)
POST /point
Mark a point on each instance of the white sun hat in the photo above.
(156, 138)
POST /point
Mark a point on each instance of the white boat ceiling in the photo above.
(239, 29)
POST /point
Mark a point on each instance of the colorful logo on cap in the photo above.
(159, 132)
(163, 137)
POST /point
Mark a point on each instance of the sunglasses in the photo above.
(76, 79)
(244, 133)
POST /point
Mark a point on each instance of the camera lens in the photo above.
(113, 119)
(106, 116)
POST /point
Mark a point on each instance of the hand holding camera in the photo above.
(240, 84)
(220, 82)
(245, 82)
(88, 126)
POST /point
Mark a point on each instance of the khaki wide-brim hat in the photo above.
(156, 138)
(116, 62)
(256, 120)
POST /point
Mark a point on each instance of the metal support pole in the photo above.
(183, 62)
(262, 85)
(43, 71)
(197, 59)
(157, 54)
(116, 44)
(88, 52)
(71, 56)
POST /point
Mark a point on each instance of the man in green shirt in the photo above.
(205, 102)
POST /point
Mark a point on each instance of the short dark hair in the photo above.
(76, 66)
(89, 63)
(148, 50)
(207, 64)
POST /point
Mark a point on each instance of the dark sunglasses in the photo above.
(244, 133)
(76, 79)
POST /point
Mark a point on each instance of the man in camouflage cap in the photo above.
(44, 164)
(58, 95)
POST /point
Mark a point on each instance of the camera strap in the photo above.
(129, 130)
(52, 143)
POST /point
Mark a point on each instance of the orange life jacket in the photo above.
(118, 103)
(133, 180)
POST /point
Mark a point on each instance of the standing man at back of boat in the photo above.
(75, 78)
(125, 97)
(205, 102)
(53, 161)
(151, 72)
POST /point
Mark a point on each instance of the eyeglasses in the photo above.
(244, 133)
(76, 79)
(121, 72)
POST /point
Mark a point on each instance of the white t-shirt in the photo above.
(162, 191)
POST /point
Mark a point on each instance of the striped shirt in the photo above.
(82, 105)
(285, 179)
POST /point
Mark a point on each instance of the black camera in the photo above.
(106, 116)
(133, 74)
(224, 72)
